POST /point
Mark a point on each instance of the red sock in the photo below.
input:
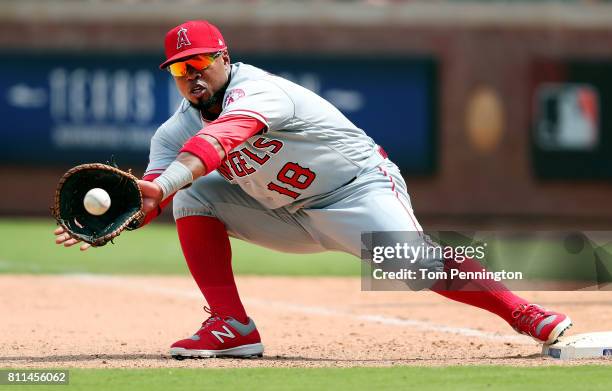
(208, 254)
(487, 294)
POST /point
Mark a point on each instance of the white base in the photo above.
(588, 345)
(244, 351)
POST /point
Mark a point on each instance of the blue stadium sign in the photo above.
(68, 108)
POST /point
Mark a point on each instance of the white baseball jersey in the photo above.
(309, 147)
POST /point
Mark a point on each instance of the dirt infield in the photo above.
(103, 321)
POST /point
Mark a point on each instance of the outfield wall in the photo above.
(488, 69)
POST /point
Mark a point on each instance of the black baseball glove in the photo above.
(125, 211)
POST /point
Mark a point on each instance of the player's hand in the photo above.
(61, 237)
(151, 195)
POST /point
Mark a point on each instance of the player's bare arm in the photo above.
(153, 193)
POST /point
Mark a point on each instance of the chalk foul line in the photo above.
(119, 282)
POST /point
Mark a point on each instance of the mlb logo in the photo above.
(567, 117)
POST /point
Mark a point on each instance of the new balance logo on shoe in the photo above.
(220, 337)
(218, 334)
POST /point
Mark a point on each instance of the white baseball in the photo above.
(96, 201)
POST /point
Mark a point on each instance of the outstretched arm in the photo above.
(200, 155)
(185, 169)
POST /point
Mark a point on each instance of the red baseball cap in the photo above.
(190, 38)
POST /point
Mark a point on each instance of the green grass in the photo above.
(27, 246)
(339, 379)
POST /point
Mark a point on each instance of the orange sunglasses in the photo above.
(199, 63)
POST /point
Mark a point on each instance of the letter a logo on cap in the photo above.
(182, 39)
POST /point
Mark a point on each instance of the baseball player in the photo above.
(256, 157)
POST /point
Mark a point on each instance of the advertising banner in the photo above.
(68, 108)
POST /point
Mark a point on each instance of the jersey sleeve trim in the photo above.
(258, 116)
(232, 130)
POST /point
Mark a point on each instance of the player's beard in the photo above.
(211, 103)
